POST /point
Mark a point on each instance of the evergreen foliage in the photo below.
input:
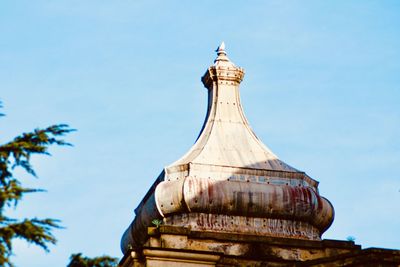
(77, 260)
(17, 153)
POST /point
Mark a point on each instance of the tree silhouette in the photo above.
(77, 260)
(17, 154)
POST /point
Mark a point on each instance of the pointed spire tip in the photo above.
(221, 48)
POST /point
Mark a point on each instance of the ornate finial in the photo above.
(221, 54)
(221, 49)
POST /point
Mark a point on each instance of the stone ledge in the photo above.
(365, 257)
(289, 242)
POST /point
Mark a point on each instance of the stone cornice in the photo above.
(222, 74)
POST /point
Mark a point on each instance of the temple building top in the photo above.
(229, 181)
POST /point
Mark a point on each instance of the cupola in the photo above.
(229, 181)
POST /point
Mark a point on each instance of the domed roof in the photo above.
(226, 138)
(229, 181)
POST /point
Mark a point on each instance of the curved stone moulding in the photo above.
(205, 195)
(232, 173)
(295, 211)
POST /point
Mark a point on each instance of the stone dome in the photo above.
(229, 181)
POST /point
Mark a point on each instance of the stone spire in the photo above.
(229, 181)
(226, 138)
(221, 49)
(221, 54)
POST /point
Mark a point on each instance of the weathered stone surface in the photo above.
(229, 181)
(186, 247)
(230, 201)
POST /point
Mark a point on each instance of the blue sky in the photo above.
(322, 90)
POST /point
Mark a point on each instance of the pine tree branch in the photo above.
(77, 260)
(17, 153)
(34, 231)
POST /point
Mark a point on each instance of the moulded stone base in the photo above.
(246, 225)
(180, 246)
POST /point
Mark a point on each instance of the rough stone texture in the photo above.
(181, 246)
(242, 224)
